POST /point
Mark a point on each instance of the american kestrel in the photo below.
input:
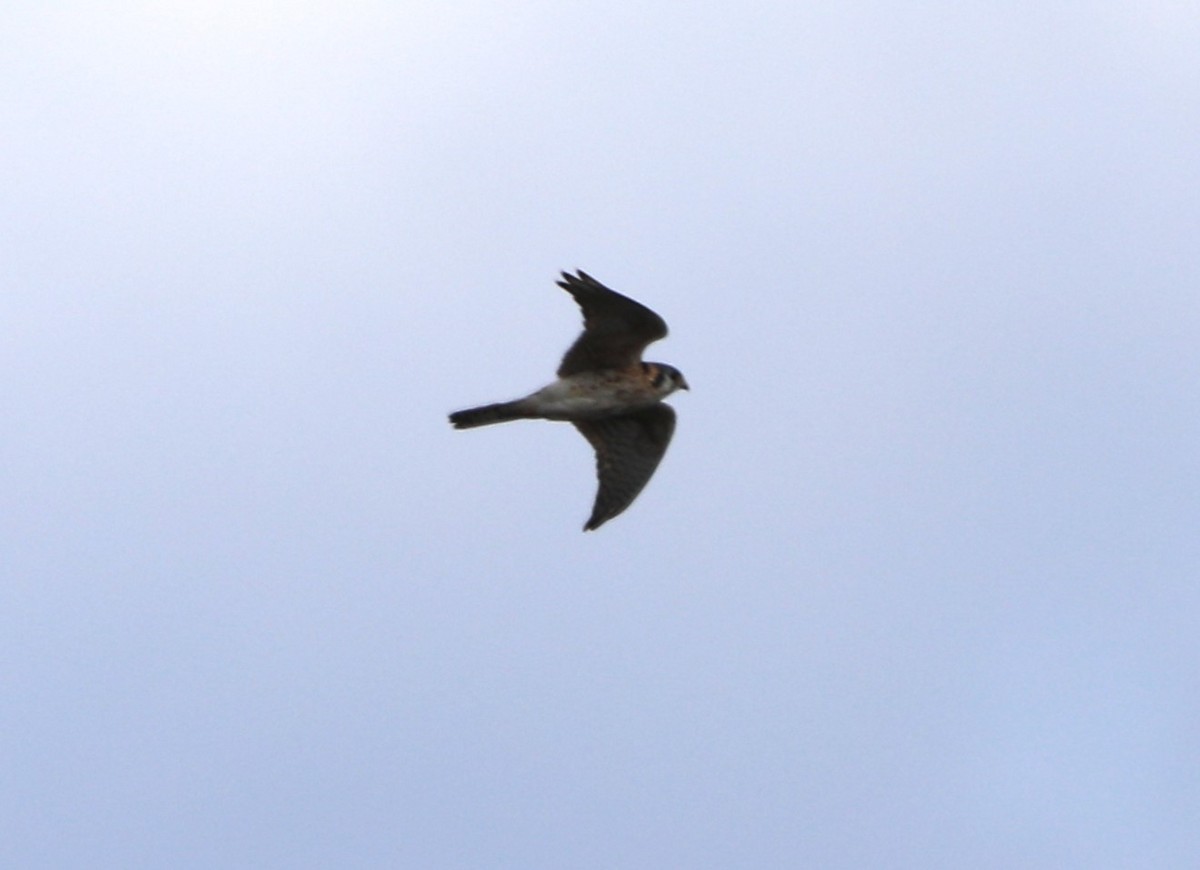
(607, 392)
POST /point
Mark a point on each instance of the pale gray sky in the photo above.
(915, 587)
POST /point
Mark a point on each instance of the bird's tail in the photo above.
(485, 415)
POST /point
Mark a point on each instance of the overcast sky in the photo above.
(916, 586)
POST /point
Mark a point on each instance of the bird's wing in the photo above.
(615, 328)
(628, 449)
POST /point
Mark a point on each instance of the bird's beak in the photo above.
(683, 385)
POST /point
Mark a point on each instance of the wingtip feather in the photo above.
(568, 280)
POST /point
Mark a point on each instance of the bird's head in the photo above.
(666, 379)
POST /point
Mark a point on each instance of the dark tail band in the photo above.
(485, 415)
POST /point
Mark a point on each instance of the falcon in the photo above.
(607, 392)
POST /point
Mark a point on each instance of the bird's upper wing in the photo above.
(615, 328)
(628, 449)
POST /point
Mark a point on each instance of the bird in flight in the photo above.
(606, 392)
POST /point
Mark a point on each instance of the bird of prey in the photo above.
(607, 392)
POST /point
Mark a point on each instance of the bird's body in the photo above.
(603, 388)
(582, 396)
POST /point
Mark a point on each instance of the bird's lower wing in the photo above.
(628, 449)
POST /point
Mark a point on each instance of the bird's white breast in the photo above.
(591, 394)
